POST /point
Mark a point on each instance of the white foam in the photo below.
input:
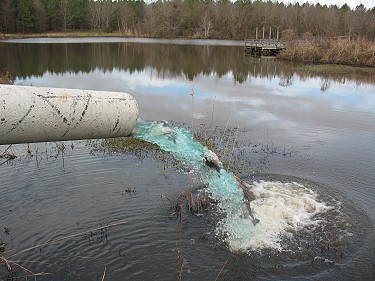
(282, 209)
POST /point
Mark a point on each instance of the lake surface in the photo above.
(304, 142)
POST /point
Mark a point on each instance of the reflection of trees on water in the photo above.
(286, 80)
(325, 83)
(326, 79)
(167, 60)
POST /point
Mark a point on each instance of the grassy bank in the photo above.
(337, 69)
(344, 52)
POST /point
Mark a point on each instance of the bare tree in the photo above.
(236, 19)
(65, 11)
(288, 34)
(108, 10)
(101, 14)
(206, 25)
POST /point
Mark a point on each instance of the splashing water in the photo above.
(279, 206)
(283, 208)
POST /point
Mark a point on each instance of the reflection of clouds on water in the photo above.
(258, 101)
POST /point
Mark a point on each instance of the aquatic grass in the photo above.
(337, 69)
(129, 144)
(136, 147)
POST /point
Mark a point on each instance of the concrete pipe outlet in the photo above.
(35, 114)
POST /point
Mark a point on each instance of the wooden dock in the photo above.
(263, 47)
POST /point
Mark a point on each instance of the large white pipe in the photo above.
(35, 114)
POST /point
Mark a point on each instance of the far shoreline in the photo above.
(117, 36)
(118, 39)
(313, 65)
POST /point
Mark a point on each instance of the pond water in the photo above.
(304, 143)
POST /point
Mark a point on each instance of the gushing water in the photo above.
(279, 206)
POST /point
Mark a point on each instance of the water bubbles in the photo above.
(282, 208)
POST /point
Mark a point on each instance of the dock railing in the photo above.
(265, 43)
(264, 47)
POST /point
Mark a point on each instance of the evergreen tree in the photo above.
(26, 15)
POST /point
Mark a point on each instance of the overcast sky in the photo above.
(339, 3)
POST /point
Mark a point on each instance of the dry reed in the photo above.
(192, 106)
(6, 78)
(105, 269)
(360, 52)
(221, 270)
(179, 247)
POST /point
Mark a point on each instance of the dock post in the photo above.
(277, 35)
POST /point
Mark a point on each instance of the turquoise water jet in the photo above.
(281, 207)
(180, 142)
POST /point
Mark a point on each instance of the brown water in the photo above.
(315, 131)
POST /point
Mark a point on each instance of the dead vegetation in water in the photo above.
(236, 151)
(7, 155)
(193, 202)
(17, 153)
(13, 269)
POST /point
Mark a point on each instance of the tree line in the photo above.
(220, 19)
